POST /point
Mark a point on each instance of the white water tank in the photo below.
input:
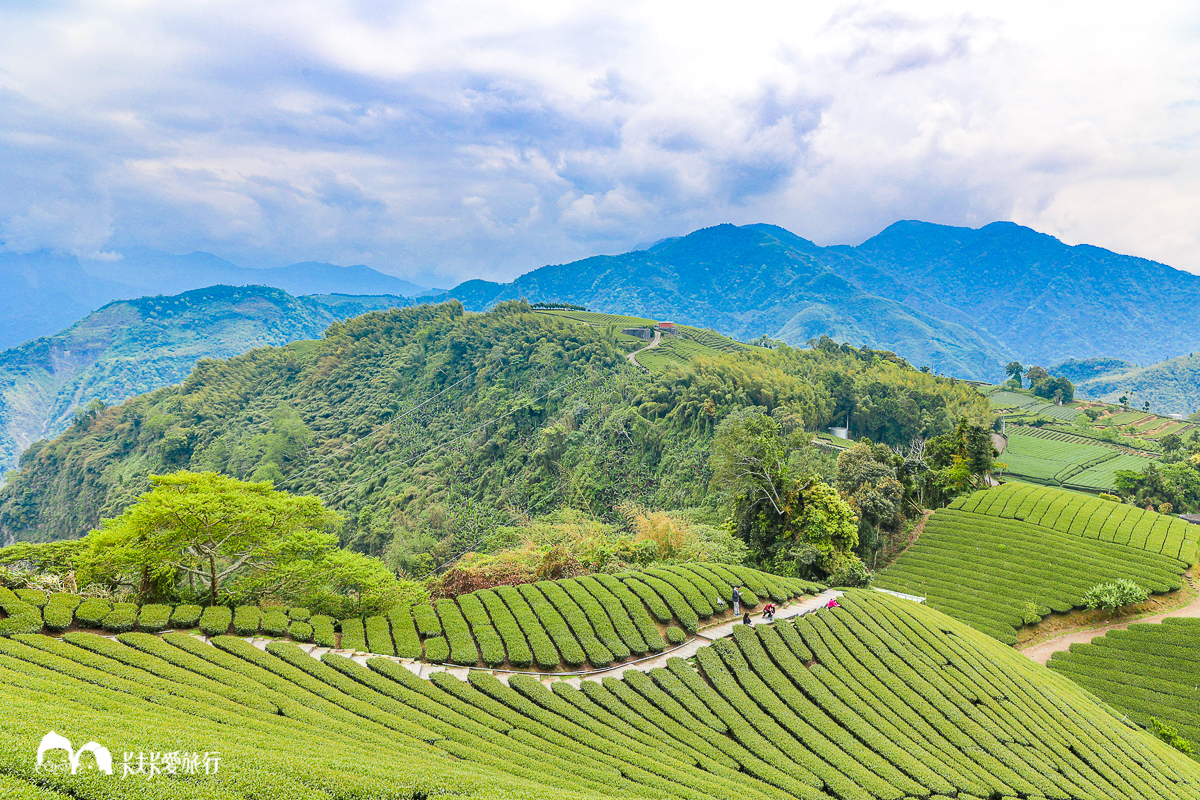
(841, 433)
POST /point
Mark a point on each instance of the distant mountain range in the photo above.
(130, 347)
(45, 292)
(962, 301)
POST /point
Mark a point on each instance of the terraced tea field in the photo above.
(1059, 459)
(1005, 557)
(1035, 406)
(1147, 670)
(880, 698)
(591, 621)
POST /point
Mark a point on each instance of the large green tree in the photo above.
(768, 476)
(866, 480)
(236, 539)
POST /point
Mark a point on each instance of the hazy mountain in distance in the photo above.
(963, 301)
(152, 272)
(130, 347)
(44, 292)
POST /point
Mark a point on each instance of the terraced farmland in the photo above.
(1147, 670)
(576, 623)
(1005, 557)
(1055, 458)
(880, 698)
(1001, 399)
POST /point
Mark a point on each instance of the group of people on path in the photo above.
(768, 610)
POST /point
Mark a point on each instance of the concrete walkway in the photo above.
(1041, 652)
(704, 637)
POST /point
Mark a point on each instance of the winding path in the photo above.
(633, 356)
(1041, 652)
(704, 637)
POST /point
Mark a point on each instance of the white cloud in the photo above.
(447, 140)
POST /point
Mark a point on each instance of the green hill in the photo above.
(1004, 557)
(130, 347)
(428, 426)
(878, 699)
(1171, 387)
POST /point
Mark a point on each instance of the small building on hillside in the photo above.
(1192, 518)
(668, 328)
(641, 333)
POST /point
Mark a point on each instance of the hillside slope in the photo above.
(880, 699)
(959, 300)
(131, 347)
(433, 426)
(1171, 386)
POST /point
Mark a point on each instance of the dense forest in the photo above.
(430, 427)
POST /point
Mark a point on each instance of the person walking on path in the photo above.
(746, 619)
(737, 600)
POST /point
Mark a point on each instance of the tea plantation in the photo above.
(591, 621)
(880, 698)
(1008, 556)
(1148, 670)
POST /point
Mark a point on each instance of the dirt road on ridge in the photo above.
(1041, 652)
(633, 356)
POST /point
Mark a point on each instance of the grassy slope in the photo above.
(130, 347)
(878, 699)
(1005, 556)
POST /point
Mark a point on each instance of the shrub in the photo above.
(91, 612)
(154, 618)
(1171, 736)
(121, 619)
(246, 620)
(22, 617)
(301, 631)
(215, 620)
(323, 633)
(675, 635)
(301, 614)
(35, 597)
(275, 622)
(353, 635)
(437, 650)
(65, 600)
(185, 616)
(58, 617)
(1111, 596)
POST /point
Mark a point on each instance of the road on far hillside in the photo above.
(633, 356)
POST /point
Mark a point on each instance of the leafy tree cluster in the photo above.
(1043, 384)
(428, 428)
(211, 538)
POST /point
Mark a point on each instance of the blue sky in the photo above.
(449, 140)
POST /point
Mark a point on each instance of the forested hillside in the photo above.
(133, 346)
(962, 301)
(1171, 386)
(429, 426)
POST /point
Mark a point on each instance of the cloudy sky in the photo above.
(446, 140)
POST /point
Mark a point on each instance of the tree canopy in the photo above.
(212, 536)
